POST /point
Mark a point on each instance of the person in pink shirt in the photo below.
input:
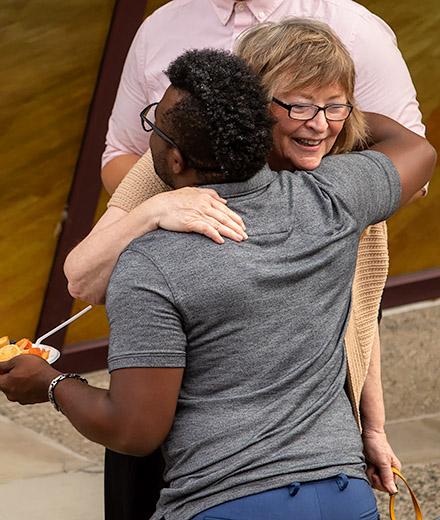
(383, 82)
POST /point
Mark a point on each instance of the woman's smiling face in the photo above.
(302, 144)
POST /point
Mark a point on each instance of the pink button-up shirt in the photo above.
(383, 82)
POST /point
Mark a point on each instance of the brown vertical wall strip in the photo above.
(86, 184)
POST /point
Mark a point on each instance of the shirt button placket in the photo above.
(243, 18)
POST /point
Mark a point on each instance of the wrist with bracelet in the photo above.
(54, 383)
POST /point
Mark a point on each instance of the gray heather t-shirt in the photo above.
(259, 328)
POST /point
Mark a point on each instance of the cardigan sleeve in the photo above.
(140, 184)
(368, 285)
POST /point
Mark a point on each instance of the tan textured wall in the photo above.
(49, 57)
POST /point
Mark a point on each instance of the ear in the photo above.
(176, 163)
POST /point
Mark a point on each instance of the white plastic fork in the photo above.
(64, 324)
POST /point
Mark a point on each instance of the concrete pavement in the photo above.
(416, 440)
(43, 480)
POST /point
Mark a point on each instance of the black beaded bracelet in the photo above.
(53, 384)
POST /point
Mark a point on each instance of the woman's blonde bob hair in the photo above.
(300, 53)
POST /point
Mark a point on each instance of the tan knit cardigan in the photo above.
(371, 272)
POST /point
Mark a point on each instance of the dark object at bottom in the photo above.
(131, 485)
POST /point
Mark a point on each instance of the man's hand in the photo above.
(380, 457)
(26, 379)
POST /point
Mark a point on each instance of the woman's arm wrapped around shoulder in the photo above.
(143, 208)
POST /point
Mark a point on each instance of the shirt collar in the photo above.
(261, 9)
(235, 189)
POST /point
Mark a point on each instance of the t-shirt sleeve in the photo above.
(145, 325)
(383, 84)
(366, 184)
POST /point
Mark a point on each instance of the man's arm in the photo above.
(147, 354)
(378, 453)
(133, 417)
(412, 155)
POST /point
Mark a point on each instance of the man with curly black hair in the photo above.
(216, 113)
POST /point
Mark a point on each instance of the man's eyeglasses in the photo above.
(147, 124)
(307, 111)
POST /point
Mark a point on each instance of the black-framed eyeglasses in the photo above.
(307, 111)
(149, 126)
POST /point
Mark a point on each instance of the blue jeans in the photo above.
(337, 498)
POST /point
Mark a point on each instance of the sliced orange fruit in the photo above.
(24, 343)
(9, 351)
(37, 352)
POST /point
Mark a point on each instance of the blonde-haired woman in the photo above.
(301, 61)
(310, 79)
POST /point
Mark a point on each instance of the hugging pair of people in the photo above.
(230, 353)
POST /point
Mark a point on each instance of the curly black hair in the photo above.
(222, 124)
